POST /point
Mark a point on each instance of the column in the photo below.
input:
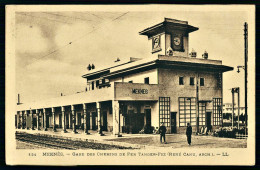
(70, 120)
(85, 119)
(37, 114)
(76, 119)
(90, 121)
(23, 119)
(53, 116)
(45, 120)
(98, 104)
(116, 118)
(18, 119)
(15, 116)
(27, 115)
(73, 119)
(63, 119)
(32, 119)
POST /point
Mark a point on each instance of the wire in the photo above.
(44, 18)
(95, 15)
(74, 40)
(120, 16)
(55, 14)
(48, 54)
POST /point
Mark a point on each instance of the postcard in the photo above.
(130, 85)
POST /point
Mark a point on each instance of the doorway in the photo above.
(60, 120)
(148, 125)
(88, 120)
(148, 117)
(34, 122)
(173, 122)
(67, 121)
(94, 125)
(104, 121)
(79, 120)
(208, 120)
(134, 122)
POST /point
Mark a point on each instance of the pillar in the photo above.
(45, 120)
(90, 121)
(98, 104)
(85, 119)
(116, 118)
(27, 115)
(37, 119)
(18, 119)
(63, 119)
(53, 118)
(32, 119)
(76, 119)
(23, 120)
(73, 119)
(70, 126)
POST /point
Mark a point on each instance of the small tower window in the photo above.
(191, 81)
(181, 82)
(146, 80)
(97, 83)
(202, 81)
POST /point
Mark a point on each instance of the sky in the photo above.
(54, 48)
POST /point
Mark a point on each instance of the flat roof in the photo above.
(166, 25)
(174, 61)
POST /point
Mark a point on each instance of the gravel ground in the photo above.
(180, 141)
(44, 142)
(24, 145)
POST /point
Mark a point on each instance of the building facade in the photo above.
(170, 87)
(228, 109)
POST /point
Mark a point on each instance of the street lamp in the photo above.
(238, 71)
(238, 67)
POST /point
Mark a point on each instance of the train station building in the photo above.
(171, 87)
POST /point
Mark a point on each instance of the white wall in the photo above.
(139, 77)
(169, 87)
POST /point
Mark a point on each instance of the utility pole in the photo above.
(197, 102)
(245, 68)
(246, 56)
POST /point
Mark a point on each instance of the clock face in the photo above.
(177, 41)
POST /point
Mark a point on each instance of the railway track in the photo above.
(48, 141)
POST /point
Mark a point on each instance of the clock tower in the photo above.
(170, 37)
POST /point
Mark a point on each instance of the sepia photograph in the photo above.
(130, 85)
